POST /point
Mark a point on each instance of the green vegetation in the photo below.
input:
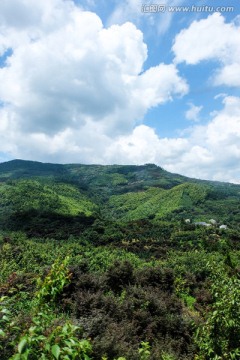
(25, 195)
(157, 202)
(219, 336)
(99, 263)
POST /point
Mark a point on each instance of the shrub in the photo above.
(218, 337)
(45, 341)
(119, 275)
(53, 284)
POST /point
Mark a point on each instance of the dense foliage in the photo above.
(106, 263)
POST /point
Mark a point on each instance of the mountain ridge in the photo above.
(31, 164)
(120, 193)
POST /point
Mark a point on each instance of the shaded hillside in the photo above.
(16, 169)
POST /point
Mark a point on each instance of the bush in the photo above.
(119, 275)
(218, 337)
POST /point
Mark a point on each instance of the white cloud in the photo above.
(22, 21)
(144, 146)
(208, 152)
(228, 75)
(214, 149)
(72, 86)
(158, 84)
(212, 39)
(193, 112)
(72, 92)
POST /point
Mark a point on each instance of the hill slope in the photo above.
(138, 279)
(31, 189)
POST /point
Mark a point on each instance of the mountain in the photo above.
(124, 253)
(72, 196)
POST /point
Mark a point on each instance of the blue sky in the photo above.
(90, 81)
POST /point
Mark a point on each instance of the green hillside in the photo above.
(157, 202)
(110, 263)
(122, 193)
(27, 195)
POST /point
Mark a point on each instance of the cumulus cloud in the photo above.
(214, 149)
(212, 39)
(75, 91)
(145, 146)
(211, 151)
(70, 85)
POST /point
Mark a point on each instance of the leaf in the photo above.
(43, 357)
(86, 357)
(56, 351)
(47, 346)
(2, 333)
(68, 343)
(5, 311)
(22, 346)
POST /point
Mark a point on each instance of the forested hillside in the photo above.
(117, 262)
